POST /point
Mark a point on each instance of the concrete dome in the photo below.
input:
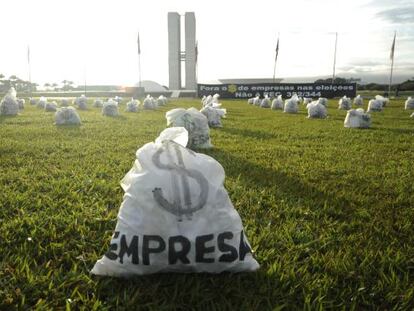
(151, 86)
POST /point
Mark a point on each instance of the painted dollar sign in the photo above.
(179, 173)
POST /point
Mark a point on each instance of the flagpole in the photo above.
(334, 63)
(84, 78)
(139, 61)
(277, 52)
(196, 64)
(30, 70)
(392, 64)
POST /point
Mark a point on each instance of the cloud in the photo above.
(398, 15)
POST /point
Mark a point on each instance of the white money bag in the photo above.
(176, 215)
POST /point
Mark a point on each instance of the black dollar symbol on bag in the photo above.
(179, 172)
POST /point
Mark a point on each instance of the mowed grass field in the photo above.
(329, 211)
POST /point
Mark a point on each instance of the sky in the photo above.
(97, 40)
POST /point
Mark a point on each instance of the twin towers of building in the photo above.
(176, 55)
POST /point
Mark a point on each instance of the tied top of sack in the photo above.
(176, 215)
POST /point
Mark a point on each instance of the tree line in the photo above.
(25, 86)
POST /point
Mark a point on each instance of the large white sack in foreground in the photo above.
(409, 103)
(316, 110)
(194, 122)
(176, 215)
(67, 116)
(357, 118)
(9, 105)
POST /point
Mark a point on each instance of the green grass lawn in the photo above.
(329, 211)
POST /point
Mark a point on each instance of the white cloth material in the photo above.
(162, 100)
(118, 99)
(323, 101)
(257, 101)
(375, 105)
(345, 103)
(51, 106)
(385, 101)
(149, 103)
(9, 105)
(194, 122)
(250, 101)
(316, 110)
(67, 116)
(265, 102)
(132, 106)
(176, 216)
(42, 102)
(291, 105)
(213, 115)
(215, 99)
(207, 100)
(358, 101)
(357, 118)
(81, 102)
(278, 103)
(409, 103)
(110, 108)
(412, 115)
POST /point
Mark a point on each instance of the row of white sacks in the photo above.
(69, 115)
(345, 103)
(81, 102)
(318, 109)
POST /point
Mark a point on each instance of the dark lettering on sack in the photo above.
(147, 250)
(173, 254)
(132, 249)
(113, 247)
(223, 247)
(201, 248)
(244, 247)
(179, 248)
